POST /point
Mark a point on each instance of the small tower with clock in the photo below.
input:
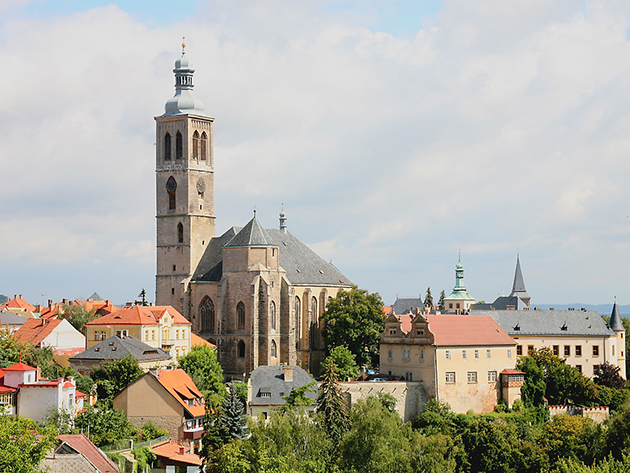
(184, 189)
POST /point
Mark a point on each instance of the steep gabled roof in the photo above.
(10, 318)
(518, 285)
(404, 305)
(36, 330)
(84, 446)
(18, 303)
(270, 381)
(182, 388)
(115, 348)
(140, 315)
(173, 452)
(466, 330)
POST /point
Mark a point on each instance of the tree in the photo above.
(332, 405)
(105, 426)
(143, 297)
(23, 444)
(355, 319)
(201, 364)
(343, 362)
(13, 350)
(298, 398)
(609, 376)
(77, 315)
(428, 299)
(234, 416)
(113, 376)
(441, 304)
(150, 431)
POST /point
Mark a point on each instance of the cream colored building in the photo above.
(459, 359)
(257, 294)
(157, 326)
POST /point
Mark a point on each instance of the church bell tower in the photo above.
(184, 165)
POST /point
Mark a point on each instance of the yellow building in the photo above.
(157, 326)
(460, 360)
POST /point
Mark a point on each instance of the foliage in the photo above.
(143, 297)
(201, 364)
(241, 390)
(61, 420)
(387, 400)
(234, 416)
(105, 426)
(298, 398)
(228, 459)
(23, 444)
(534, 386)
(144, 457)
(441, 304)
(355, 319)
(150, 431)
(609, 376)
(113, 376)
(77, 315)
(428, 299)
(571, 437)
(343, 362)
(13, 350)
(331, 404)
(216, 434)
(618, 434)
(608, 465)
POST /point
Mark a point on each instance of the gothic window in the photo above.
(298, 321)
(171, 188)
(274, 349)
(272, 315)
(167, 147)
(206, 314)
(179, 146)
(314, 314)
(204, 146)
(240, 316)
(312, 335)
(241, 349)
(196, 145)
(180, 233)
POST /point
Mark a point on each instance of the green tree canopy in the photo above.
(428, 299)
(343, 362)
(331, 404)
(355, 319)
(23, 444)
(441, 304)
(113, 376)
(201, 364)
(77, 315)
(106, 426)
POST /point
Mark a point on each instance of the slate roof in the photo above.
(404, 305)
(270, 379)
(9, 318)
(615, 319)
(464, 330)
(117, 347)
(549, 322)
(518, 285)
(302, 265)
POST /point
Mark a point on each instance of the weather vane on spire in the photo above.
(183, 44)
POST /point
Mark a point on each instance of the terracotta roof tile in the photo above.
(82, 444)
(19, 367)
(172, 451)
(196, 340)
(35, 330)
(18, 303)
(466, 330)
(140, 315)
(176, 382)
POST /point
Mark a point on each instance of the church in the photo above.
(257, 293)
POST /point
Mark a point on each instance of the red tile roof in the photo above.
(35, 330)
(82, 444)
(467, 330)
(179, 385)
(511, 371)
(19, 367)
(171, 451)
(387, 310)
(140, 315)
(196, 340)
(18, 303)
(405, 321)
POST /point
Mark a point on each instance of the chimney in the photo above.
(182, 450)
(288, 373)
(20, 296)
(50, 303)
(65, 301)
(38, 374)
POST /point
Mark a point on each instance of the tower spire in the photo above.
(615, 318)
(283, 220)
(184, 101)
(518, 286)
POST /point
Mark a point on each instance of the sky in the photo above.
(397, 134)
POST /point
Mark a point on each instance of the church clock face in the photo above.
(201, 186)
(171, 185)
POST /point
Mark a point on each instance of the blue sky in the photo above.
(395, 134)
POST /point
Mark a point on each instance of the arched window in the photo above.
(241, 349)
(298, 319)
(240, 316)
(180, 233)
(171, 188)
(314, 314)
(167, 147)
(196, 145)
(179, 146)
(206, 314)
(274, 349)
(204, 146)
(272, 314)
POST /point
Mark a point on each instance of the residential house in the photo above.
(59, 334)
(168, 398)
(27, 395)
(174, 457)
(77, 454)
(269, 385)
(158, 326)
(115, 348)
(17, 304)
(459, 359)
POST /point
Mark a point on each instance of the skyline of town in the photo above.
(490, 131)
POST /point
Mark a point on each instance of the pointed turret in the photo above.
(616, 326)
(252, 234)
(459, 300)
(518, 286)
(615, 319)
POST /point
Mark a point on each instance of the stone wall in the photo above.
(599, 413)
(410, 395)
